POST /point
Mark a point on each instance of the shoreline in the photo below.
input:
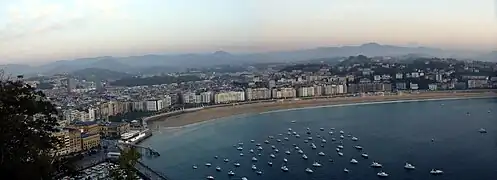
(200, 116)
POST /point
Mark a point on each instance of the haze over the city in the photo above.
(36, 31)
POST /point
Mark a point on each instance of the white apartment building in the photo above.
(189, 98)
(192, 98)
(154, 105)
(206, 97)
(284, 93)
(139, 106)
(257, 94)
(227, 97)
(306, 91)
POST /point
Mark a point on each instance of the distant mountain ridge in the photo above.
(168, 63)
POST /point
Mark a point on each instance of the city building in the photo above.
(115, 129)
(306, 91)
(227, 97)
(257, 94)
(477, 83)
(283, 93)
(89, 141)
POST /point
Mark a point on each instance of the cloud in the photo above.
(36, 17)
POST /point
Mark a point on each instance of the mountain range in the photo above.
(169, 63)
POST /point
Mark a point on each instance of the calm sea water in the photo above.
(391, 134)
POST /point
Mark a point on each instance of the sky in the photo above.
(34, 31)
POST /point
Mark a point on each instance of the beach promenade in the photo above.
(178, 119)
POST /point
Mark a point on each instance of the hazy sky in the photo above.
(42, 30)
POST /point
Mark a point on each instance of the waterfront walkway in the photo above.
(149, 173)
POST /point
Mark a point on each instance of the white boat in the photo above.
(306, 141)
(346, 170)
(237, 164)
(338, 149)
(270, 163)
(251, 151)
(252, 140)
(308, 170)
(208, 164)
(294, 133)
(258, 172)
(241, 154)
(258, 144)
(286, 138)
(409, 166)
(353, 161)
(294, 121)
(330, 160)
(254, 159)
(304, 156)
(341, 132)
(276, 150)
(332, 128)
(244, 178)
(309, 138)
(323, 140)
(382, 174)
(355, 139)
(289, 129)
(297, 148)
(340, 146)
(272, 156)
(280, 134)
(254, 167)
(240, 144)
(226, 160)
(436, 172)
(482, 130)
(215, 157)
(358, 147)
(376, 165)
(266, 141)
(287, 152)
(210, 177)
(318, 136)
(341, 137)
(289, 133)
(259, 148)
(273, 147)
(333, 139)
(284, 168)
(340, 153)
(321, 154)
(218, 168)
(308, 129)
(231, 173)
(313, 146)
(195, 167)
(297, 136)
(316, 164)
(331, 132)
(271, 137)
(349, 135)
(321, 129)
(278, 140)
(365, 155)
(239, 148)
(285, 160)
(300, 151)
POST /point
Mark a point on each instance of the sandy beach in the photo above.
(205, 114)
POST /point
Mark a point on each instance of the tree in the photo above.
(127, 161)
(27, 122)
